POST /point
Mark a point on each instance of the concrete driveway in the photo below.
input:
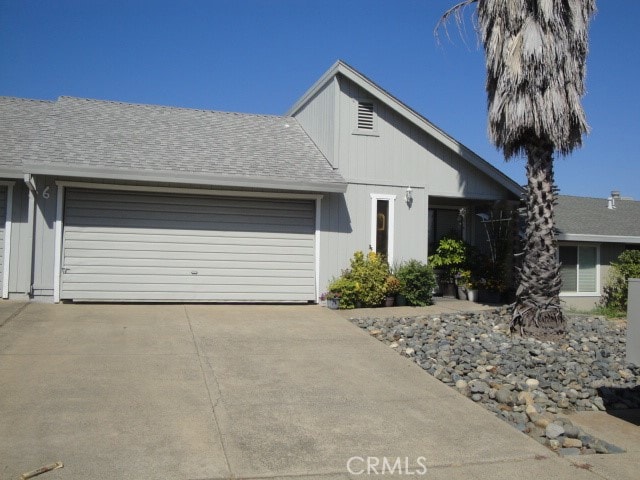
(212, 391)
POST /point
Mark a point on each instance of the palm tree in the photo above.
(535, 53)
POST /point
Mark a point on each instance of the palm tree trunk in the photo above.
(537, 309)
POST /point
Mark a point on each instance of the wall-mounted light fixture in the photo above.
(408, 196)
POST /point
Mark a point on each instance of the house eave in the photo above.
(178, 178)
(580, 237)
(474, 159)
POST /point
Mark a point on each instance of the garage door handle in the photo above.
(194, 272)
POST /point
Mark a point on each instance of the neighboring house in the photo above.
(593, 232)
(112, 201)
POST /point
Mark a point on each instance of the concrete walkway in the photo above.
(214, 391)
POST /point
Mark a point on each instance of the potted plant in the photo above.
(467, 286)
(392, 288)
(332, 299)
(450, 257)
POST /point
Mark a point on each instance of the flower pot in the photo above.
(472, 295)
(462, 293)
(388, 301)
(333, 303)
(401, 300)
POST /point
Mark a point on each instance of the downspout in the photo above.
(31, 186)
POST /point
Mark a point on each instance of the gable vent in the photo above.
(365, 115)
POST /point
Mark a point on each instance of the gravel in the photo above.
(526, 382)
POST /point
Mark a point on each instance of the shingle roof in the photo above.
(590, 216)
(22, 126)
(85, 135)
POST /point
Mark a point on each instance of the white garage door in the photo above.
(160, 247)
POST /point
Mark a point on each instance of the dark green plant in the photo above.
(418, 281)
(616, 290)
(450, 256)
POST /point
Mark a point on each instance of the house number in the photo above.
(46, 194)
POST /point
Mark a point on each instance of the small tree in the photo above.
(616, 291)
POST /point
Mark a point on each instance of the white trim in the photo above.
(58, 243)
(6, 255)
(180, 178)
(579, 237)
(188, 191)
(317, 247)
(595, 293)
(391, 227)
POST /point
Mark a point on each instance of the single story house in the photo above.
(111, 201)
(593, 232)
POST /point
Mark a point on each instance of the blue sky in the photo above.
(259, 56)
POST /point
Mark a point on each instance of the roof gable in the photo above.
(375, 91)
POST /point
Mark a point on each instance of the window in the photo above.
(579, 269)
(366, 118)
(382, 219)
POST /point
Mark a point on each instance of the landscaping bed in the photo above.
(533, 385)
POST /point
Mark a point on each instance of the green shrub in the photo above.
(370, 273)
(364, 284)
(347, 290)
(450, 256)
(616, 290)
(418, 281)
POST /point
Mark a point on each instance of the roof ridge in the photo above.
(170, 107)
(22, 99)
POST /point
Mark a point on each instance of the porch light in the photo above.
(408, 196)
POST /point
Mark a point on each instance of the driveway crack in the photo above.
(214, 400)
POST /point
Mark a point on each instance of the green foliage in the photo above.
(364, 284)
(346, 289)
(418, 282)
(392, 286)
(450, 256)
(616, 290)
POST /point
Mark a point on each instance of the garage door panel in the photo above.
(278, 272)
(218, 236)
(129, 246)
(169, 248)
(131, 201)
(128, 256)
(178, 296)
(294, 227)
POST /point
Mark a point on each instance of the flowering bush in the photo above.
(392, 286)
(364, 284)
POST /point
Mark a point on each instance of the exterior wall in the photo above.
(317, 119)
(400, 153)
(44, 238)
(609, 252)
(21, 243)
(346, 227)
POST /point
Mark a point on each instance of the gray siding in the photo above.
(317, 119)
(346, 227)
(44, 240)
(124, 246)
(401, 153)
(21, 243)
(3, 216)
